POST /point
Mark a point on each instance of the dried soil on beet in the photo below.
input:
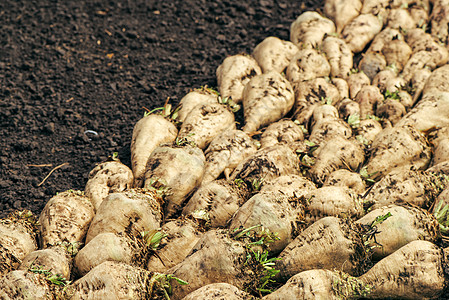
(75, 76)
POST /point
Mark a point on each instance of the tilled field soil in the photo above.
(75, 76)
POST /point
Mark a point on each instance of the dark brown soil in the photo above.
(75, 76)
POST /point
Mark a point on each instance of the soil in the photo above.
(75, 76)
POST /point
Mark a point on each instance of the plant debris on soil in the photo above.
(75, 77)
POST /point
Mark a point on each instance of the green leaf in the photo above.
(392, 95)
(375, 118)
(364, 173)
(361, 139)
(380, 219)
(179, 280)
(441, 213)
(354, 120)
(309, 143)
(153, 238)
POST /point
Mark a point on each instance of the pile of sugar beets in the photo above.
(319, 170)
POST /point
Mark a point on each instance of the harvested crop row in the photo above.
(318, 169)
